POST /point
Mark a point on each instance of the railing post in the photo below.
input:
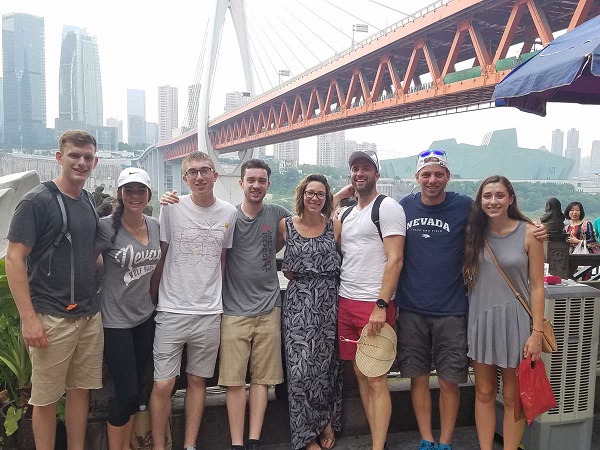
(556, 253)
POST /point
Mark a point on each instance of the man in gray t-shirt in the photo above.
(251, 322)
(62, 329)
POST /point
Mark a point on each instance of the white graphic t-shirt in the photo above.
(128, 266)
(191, 280)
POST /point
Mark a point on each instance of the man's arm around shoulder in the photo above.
(18, 282)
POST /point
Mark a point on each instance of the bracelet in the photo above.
(539, 331)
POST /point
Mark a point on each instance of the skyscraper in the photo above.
(151, 133)
(331, 149)
(136, 116)
(168, 105)
(191, 118)
(24, 84)
(595, 158)
(1, 111)
(288, 154)
(572, 138)
(116, 123)
(558, 139)
(80, 81)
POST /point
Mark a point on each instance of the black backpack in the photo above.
(374, 213)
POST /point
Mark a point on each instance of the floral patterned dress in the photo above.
(314, 369)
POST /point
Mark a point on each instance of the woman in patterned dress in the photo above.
(314, 369)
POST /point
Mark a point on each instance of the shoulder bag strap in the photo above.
(512, 288)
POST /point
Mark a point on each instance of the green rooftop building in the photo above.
(499, 154)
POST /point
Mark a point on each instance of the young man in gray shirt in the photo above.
(251, 321)
(60, 318)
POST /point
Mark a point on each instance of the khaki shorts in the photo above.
(72, 360)
(257, 339)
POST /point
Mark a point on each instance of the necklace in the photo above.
(139, 230)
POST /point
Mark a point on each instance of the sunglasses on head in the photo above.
(427, 153)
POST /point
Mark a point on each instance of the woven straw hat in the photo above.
(375, 354)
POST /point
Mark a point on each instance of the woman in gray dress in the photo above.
(314, 368)
(500, 331)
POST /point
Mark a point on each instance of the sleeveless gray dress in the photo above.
(499, 326)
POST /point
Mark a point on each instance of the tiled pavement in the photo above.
(465, 438)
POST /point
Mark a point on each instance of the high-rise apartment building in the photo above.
(79, 80)
(595, 158)
(168, 107)
(573, 151)
(24, 84)
(136, 116)
(558, 139)
(572, 138)
(116, 123)
(191, 118)
(331, 149)
(1, 111)
(236, 99)
(288, 154)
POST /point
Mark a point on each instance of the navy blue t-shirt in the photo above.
(431, 280)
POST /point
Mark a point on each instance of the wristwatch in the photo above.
(382, 303)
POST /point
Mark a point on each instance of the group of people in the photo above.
(204, 275)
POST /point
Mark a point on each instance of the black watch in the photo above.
(382, 303)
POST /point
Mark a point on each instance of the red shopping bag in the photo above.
(534, 389)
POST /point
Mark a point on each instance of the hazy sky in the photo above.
(144, 45)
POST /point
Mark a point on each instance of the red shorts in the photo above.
(353, 315)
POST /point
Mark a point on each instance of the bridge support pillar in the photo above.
(177, 171)
(156, 170)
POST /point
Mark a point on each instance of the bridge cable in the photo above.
(389, 7)
(292, 52)
(311, 30)
(350, 14)
(195, 95)
(285, 64)
(260, 61)
(263, 48)
(324, 20)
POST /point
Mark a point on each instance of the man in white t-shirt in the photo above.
(372, 261)
(195, 235)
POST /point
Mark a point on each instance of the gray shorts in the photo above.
(201, 334)
(423, 338)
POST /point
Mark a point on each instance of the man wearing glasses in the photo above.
(195, 235)
(372, 260)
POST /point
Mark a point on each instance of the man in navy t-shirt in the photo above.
(431, 296)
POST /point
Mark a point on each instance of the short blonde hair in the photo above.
(197, 156)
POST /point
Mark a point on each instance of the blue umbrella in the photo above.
(566, 71)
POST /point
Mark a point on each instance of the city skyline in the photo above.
(125, 68)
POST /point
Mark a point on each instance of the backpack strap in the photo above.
(346, 212)
(63, 234)
(375, 213)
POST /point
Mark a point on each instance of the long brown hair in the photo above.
(299, 198)
(478, 224)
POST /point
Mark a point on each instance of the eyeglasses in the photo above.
(427, 153)
(203, 171)
(312, 194)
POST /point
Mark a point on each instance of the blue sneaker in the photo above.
(427, 445)
(444, 447)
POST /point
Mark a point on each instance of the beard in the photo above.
(367, 188)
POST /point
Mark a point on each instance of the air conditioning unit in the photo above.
(574, 310)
